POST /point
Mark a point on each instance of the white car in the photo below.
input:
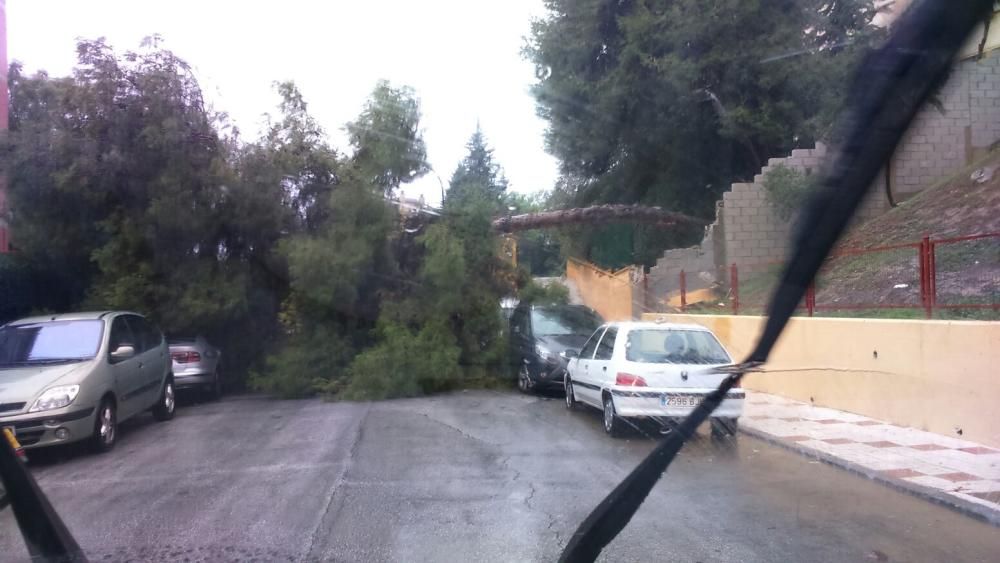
(644, 369)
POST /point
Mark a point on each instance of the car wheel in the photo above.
(215, 392)
(612, 423)
(105, 434)
(524, 383)
(570, 396)
(724, 427)
(167, 403)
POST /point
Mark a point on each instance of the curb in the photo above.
(979, 512)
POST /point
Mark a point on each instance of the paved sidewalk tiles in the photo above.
(951, 471)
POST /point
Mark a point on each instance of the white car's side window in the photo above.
(587, 352)
(607, 345)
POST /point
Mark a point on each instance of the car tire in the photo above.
(166, 405)
(570, 395)
(215, 393)
(524, 383)
(105, 434)
(612, 422)
(724, 427)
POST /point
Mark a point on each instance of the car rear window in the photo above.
(672, 346)
(181, 340)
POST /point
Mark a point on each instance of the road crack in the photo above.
(338, 482)
(456, 429)
(531, 495)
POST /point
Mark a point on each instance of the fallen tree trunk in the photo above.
(596, 215)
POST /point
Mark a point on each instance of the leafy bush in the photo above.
(405, 364)
(306, 364)
(786, 189)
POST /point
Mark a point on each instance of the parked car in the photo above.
(196, 364)
(658, 370)
(539, 335)
(65, 378)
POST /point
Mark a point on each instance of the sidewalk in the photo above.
(957, 473)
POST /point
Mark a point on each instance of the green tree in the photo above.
(478, 177)
(341, 268)
(389, 147)
(666, 102)
(128, 193)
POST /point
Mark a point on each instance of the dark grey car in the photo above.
(539, 334)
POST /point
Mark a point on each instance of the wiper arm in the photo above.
(888, 90)
(45, 535)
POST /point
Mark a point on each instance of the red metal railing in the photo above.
(951, 277)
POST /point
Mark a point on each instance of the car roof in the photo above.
(635, 325)
(81, 316)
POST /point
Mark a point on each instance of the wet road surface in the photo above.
(473, 476)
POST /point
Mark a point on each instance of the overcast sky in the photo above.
(461, 56)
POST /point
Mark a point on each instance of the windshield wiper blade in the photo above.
(888, 89)
(45, 534)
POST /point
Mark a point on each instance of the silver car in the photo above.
(66, 378)
(196, 364)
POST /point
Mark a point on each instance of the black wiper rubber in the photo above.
(888, 89)
(45, 535)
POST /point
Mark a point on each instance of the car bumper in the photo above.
(36, 430)
(192, 380)
(550, 375)
(650, 402)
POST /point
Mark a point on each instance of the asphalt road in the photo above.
(476, 476)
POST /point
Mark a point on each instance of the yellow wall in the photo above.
(608, 293)
(937, 376)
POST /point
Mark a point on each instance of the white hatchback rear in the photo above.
(659, 370)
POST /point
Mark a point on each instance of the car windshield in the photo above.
(670, 346)
(425, 280)
(563, 321)
(49, 341)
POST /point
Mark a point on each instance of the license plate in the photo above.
(680, 400)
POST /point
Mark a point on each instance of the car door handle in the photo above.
(605, 368)
(140, 365)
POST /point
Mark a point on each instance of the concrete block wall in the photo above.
(755, 234)
(698, 262)
(941, 142)
(749, 233)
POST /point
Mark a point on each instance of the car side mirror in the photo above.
(567, 354)
(123, 352)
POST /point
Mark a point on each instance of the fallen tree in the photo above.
(595, 215)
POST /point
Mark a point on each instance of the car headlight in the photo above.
(55, 398)
(545, 354)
